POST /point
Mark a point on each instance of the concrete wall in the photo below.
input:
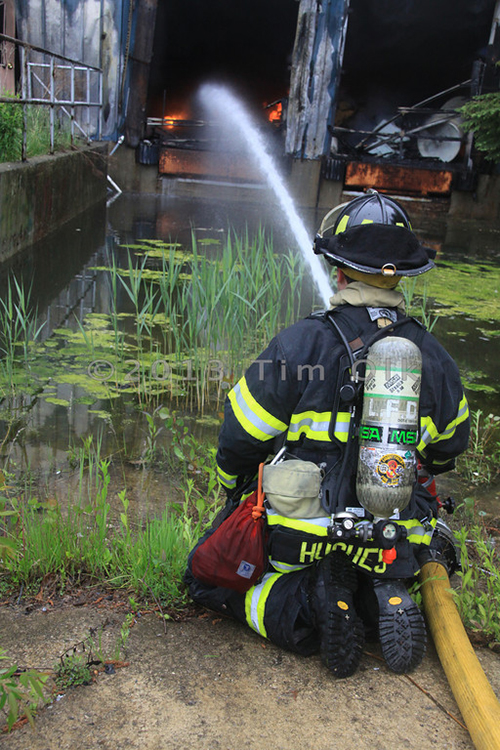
(38, 196)
(307, 187)
(483, 203)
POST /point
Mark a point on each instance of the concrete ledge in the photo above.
(484, 203)
(38, 196)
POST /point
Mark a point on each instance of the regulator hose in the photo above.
(473, 693)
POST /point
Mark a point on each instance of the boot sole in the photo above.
(343, 640)
(402, 631)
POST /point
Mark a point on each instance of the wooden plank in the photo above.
(316, 62)
(412, 180)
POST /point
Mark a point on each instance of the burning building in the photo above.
(365, 88)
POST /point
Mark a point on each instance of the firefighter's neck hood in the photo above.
(359, 294)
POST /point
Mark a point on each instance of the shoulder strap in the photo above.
(357, 349)
(352, 336)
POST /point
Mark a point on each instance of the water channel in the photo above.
(73, 291)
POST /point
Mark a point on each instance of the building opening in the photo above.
(407, 67)
(246, 45)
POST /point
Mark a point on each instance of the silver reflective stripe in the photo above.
(251, 416)
(253, 612)
(304, 524)
(228, 480)
(311, 425)
(287, 567)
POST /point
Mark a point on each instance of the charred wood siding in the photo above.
(140, 59)
(316, 62)
(90, 31)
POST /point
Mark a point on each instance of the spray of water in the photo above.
(226, 105)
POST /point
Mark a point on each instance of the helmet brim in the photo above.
(377, 249)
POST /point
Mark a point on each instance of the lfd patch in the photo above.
(390, 468)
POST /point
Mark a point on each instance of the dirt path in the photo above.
(209, 683)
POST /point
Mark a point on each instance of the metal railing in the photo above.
(62, 84)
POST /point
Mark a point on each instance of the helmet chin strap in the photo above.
(373, 279)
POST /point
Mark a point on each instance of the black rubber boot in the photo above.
(401, 626)
(341, 631)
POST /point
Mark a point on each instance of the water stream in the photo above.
(228, 109)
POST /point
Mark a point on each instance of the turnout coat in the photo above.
(290, 395)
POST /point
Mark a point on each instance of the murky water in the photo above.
(69, 285)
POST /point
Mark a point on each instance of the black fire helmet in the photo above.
(372, 235)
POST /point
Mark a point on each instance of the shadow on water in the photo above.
(69, 273)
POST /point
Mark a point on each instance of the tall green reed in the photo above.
(18, 330)
(207, 312)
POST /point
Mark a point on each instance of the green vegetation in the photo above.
(20, 693)
(480, 464)
(417, 300)
(443, 292)
(37, 131)
(71, 671)
(89, 542)
(478, 593)
(192, 322)
(11, 126)
(482, 116)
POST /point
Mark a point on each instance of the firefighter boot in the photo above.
(340, 629)
(401, 626)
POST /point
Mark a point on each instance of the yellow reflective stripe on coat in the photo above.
(415, 532)
(251, 415)
(429, 432)
(317, 526)
(228, 480)
(313, 424)
(255, 602)
(342, 422)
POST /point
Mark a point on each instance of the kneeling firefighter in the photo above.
(360, 406)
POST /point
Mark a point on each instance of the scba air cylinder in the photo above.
(388, 432)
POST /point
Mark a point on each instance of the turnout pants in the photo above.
(278, 608)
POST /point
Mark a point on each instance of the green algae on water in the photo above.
(464, 289)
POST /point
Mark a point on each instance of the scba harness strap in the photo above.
(296, 543)
(350, 325)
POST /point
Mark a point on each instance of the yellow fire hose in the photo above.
(473, 693)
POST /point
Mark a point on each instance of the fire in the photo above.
(170, 121)
(275, 113)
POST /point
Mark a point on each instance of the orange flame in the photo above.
(170, 121)
(275, 113)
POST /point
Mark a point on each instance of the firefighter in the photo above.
(319, 594)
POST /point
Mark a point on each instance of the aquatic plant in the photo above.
(18, 331)
(417, 301)
(192, 320)
(453, 289)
